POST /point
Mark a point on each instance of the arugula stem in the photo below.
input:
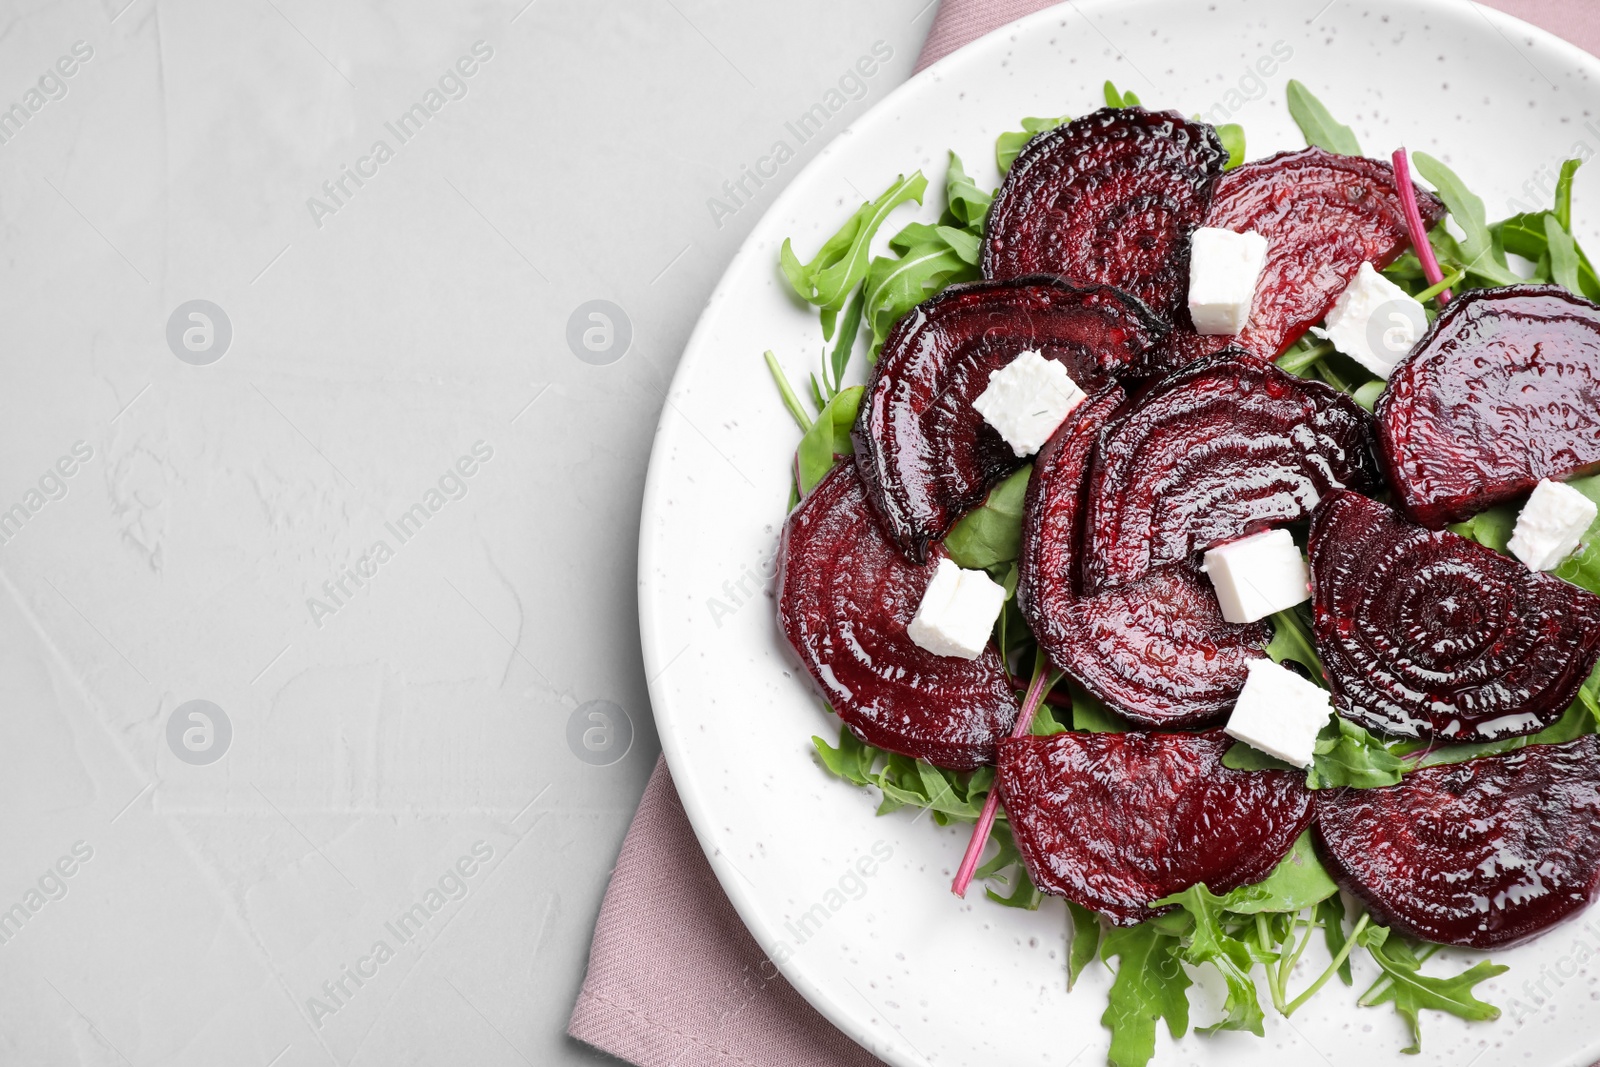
(1385, 980)
(1295, 362)
(1338, 961)
(1043, 679)
(1286, 965)
(1442, 286)
(1291, 641)
(1419, 232)
(786, 391)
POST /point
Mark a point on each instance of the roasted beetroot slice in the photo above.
(1228, 447)
(1426, 634)
(1158, 651)
(1502, 391)
(845, 598)
(925, 453)
(1114, 821)
(1110, 199)
(1323, 215)
(1483, 854)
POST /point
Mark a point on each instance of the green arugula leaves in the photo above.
(1009, 145)
(827, 439)
(1150, 986)
(1410, 991)
(991, 533)
(1320, 128)
(841, 262)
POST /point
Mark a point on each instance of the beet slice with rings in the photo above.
(1228, 447)
(1158, 650)
(1115, 821)
(1112, 199)
(1482, 854)
(925, 453)
(1424, 633)
(1323, 215)
(1503, 390)
(845, 598)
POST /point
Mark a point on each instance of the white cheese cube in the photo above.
(1280, 713)
(957, 612)
(1258, 575)
(1374, 322)
(1027, 399)
(1551, 524)
(1223, 270)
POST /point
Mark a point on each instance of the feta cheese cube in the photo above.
(1280, 713)
(1374, 322)
(1551, 524)
(1027, 399)
(957, 612)
(1258, 575)
(1223, 270)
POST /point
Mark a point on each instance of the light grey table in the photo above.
(291, 427)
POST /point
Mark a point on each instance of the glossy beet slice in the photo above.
(845, 598)
(1228, 447)
(1115, 821)
(1111, 199)
(1502, 391)
(925, 453)
(1427, 634)
(1158, 650)
(1323, 215)
(1484, 853)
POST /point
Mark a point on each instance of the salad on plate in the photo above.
(1218, 538)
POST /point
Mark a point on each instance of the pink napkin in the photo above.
(674, 978)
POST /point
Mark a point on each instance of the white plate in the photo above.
(894, 959)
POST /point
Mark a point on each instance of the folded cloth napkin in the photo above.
(674, 978)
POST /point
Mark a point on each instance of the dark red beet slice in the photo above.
(1108, 199)
(925, 453)
(845, 598)
(1115, 821)
(1484, 853)
(1158, 651)
(1227, 447)
(1427, 634)
(1502, 391)
(1323, 215)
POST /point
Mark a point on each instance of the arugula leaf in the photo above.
(1023, 893)
(905, 782)
(852, 760)
(1563, 255)
(1116, 99)
(1244, 757)
(1346, 754)
(1410, 991)
(1208, 943)
(1090, 714)
(963, 199)
(1321, 129)
(992, 532)
(1482, 255)
(841, 262)
(1330, 915)
(1299, 881)
(928, 261)
(1491, 528)
(1291, 640)
(1085, 940)
(1232, 135)
(1150, 986)
(1009, 145)
(845, 343)
(828, 438)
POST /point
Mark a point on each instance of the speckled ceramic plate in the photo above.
(855, 909)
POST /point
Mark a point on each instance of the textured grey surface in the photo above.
(403, 743)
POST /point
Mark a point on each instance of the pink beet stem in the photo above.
(1419, 233)
(991, 804)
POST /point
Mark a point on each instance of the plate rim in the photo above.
(855, 1023)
